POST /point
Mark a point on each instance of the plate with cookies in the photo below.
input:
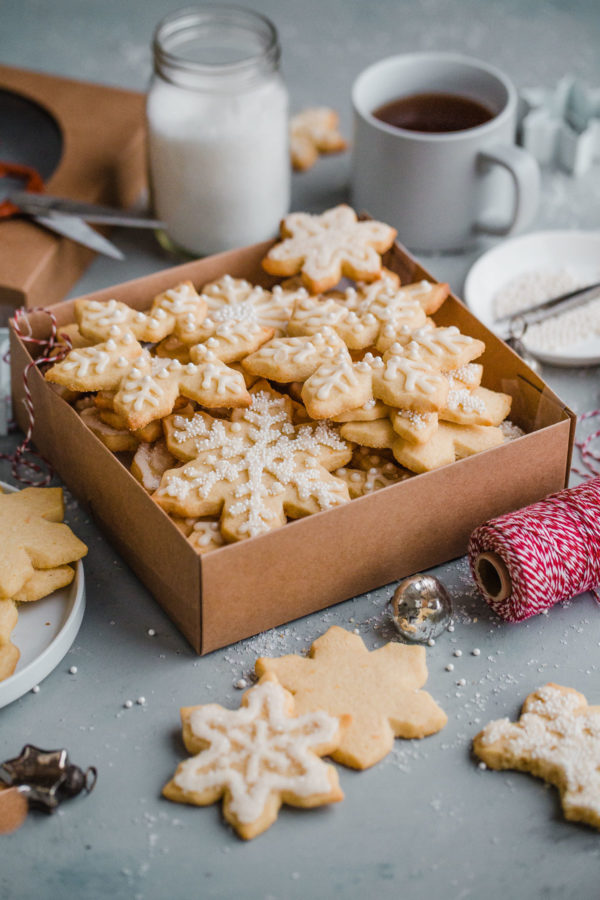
(42, 587)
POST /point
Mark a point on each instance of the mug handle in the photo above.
(525, 173)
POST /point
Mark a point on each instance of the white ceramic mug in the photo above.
(441, 189)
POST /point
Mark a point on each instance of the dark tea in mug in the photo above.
(434, 113)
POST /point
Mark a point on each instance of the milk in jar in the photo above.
(217, 112)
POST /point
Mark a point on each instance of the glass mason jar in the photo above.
(217, 112)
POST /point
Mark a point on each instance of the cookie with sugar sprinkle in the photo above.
(255, 470)
(323, 248)
(557, 738)
(257, 758)
(240, 317)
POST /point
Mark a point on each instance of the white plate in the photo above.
(576, 251)
(44, 633)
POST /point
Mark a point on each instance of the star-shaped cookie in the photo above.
(379, 689)
(257, 758)
(557, 738)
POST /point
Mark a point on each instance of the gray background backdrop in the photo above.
(426, 822)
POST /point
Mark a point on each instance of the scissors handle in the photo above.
(33, 183)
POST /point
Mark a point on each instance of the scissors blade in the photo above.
(77, 230)
(40, 204)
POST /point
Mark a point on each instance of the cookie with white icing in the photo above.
(323, 248)
(101, 320)
(256, 758)
(557, 738)
(255, 470)
(240, 318)
(184, 304)
(152, 386)
(97, 368)
(369, 314)
(314, 131)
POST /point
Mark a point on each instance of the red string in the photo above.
(22, 460)
(551, 550)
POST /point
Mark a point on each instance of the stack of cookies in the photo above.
(239, 407)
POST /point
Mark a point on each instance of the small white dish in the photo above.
(44, 633)
(576, 251)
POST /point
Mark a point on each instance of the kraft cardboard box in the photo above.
(104, 164)
(244, 588)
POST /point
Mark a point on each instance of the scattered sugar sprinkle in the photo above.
(450, 667)
(481, 765)
(151, 632)
(476, 651)
(128, 704)
(431, 642)
(141, 701)
(240, 684)
(458, 653)
(73, 670)
(35, 689)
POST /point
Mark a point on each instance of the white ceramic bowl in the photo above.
(44, 633)
(577, 252)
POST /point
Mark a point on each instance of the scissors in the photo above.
(68, 218)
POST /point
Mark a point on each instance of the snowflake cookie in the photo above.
(97, 368)
(101, 320)
(380, 690)
(153, 384)
(254, 470)
(256, 758)
(240, 317)
(557, 738)
(325, 247)
(312, 132)
(368, 314)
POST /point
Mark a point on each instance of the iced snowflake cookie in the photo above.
(369, 314)
(446, 348)
(380, 690)
(557, 738)
(100, 321)
(240, 317)
(325, 247)
(254, 470)
(183, 303)
(97, 368)
(312, 132)
(256, 758)
(152, 386)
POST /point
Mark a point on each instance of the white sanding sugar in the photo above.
(536, 286)
(533, 287)
(565, 330)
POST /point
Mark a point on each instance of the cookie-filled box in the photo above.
(242, 588)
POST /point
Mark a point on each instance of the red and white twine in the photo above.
(51, 350)
(550, 549)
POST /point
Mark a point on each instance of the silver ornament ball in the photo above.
(421, 608)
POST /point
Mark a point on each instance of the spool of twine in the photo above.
(526, 561)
